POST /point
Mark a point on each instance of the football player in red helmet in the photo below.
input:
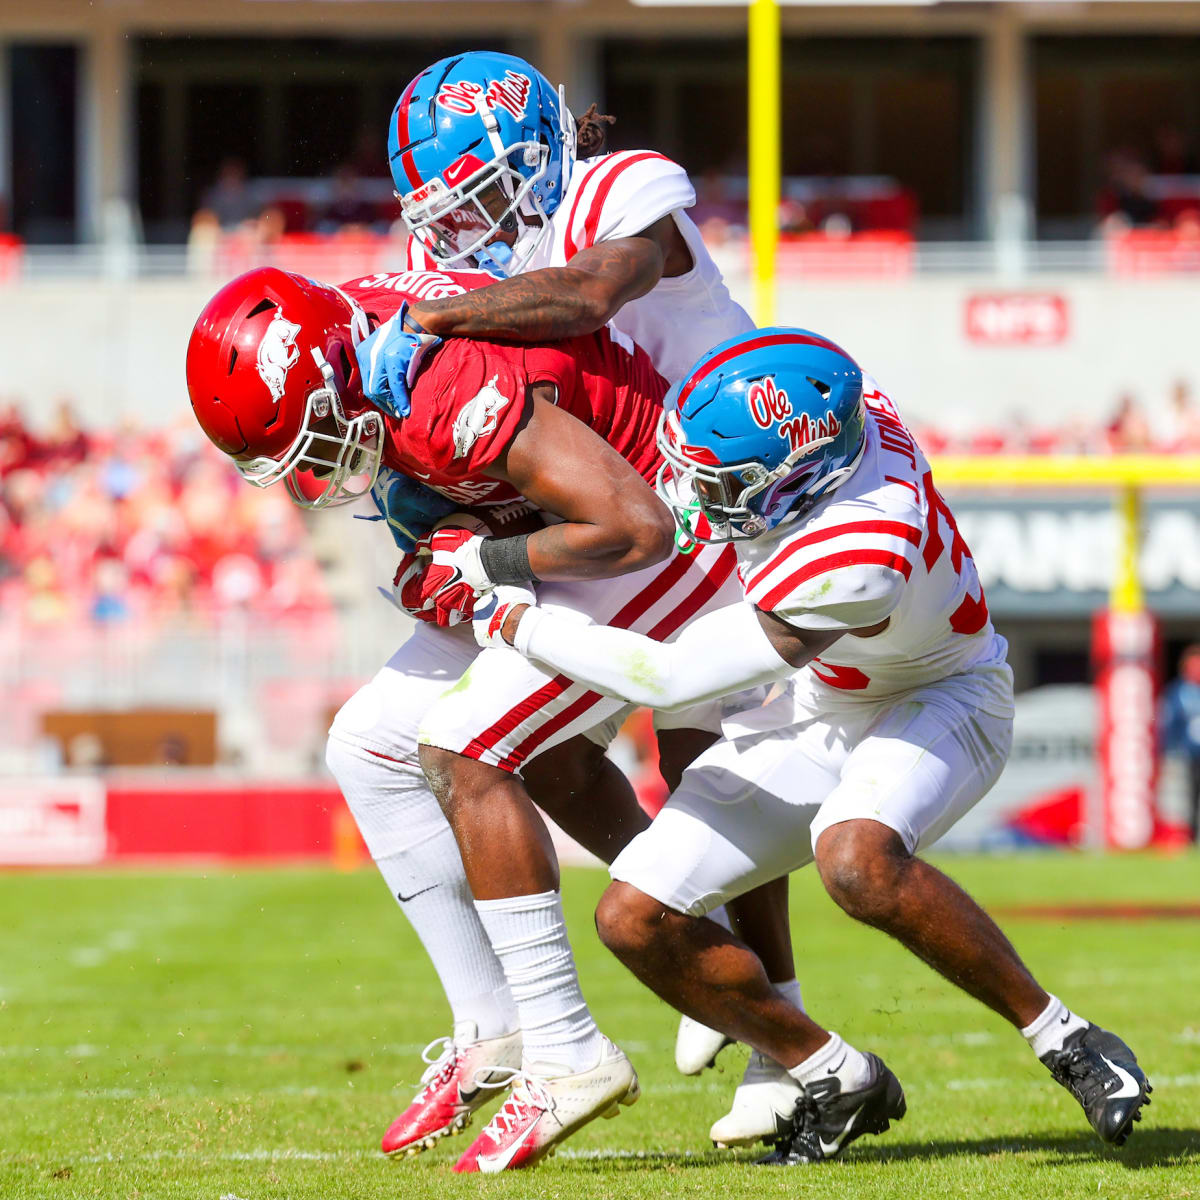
(271, 369)
(272, 378)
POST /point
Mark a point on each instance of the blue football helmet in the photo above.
(481, 145)
(762, 426)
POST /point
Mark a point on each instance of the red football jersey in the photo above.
(469, 397)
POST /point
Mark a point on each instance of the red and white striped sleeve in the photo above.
(622, 194)
(850, 573)
(417, 258)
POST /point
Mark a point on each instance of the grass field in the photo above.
(249, 1035)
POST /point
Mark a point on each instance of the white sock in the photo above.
(789, 989)
(441, 909)
(529, 936)
(1052, 1027)
(836, 1057)
(415, 851)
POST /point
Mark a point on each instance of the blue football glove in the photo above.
(388, 361)
(410, 509)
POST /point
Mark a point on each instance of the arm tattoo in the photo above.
(552, 303)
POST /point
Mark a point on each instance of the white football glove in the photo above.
(492, 610)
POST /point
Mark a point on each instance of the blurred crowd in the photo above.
(126, 524)
(1156, 186)
(356, 200)
(1134, 427)
(122, 524)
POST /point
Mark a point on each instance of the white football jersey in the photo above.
(884, 545)
(618, 195)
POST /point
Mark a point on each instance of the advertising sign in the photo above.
(52, 821)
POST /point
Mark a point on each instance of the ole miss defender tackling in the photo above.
(860, 591)
(274, 379)
(492, 170)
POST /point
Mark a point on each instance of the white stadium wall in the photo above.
(119, 346)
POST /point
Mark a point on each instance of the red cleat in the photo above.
(544, 1110)
(459, 1081)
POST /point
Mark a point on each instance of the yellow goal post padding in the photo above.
(1055, 471)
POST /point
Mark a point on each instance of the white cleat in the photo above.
(762, 1105)
(697, 1046)
(545, 1109)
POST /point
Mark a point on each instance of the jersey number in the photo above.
(971, 615)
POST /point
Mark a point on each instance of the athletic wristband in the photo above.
(506, 560)
(411, 323)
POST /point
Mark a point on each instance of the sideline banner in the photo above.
(53, 822)
(1052, 555)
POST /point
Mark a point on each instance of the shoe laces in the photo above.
(1076, 1070)
(442, 1056)
(528, 1091)
(800, 1131)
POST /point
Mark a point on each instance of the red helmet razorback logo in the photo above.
(278, 353)
(510, 93)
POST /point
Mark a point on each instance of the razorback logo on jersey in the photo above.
(478, 416)
(278, 353)
(510, 93)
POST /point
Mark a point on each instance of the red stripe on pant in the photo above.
(635, 608)
(699, 597)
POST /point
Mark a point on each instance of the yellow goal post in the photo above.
(1126, 475)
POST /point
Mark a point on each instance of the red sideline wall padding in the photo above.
(233, 820)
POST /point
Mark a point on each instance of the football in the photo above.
(502, 520)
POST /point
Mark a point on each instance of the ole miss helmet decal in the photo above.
(769, 406)
(510, 93)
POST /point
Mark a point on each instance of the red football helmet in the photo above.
(272, 375)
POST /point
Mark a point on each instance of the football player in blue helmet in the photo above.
(480, 145)
(492, 170)
(763, 427)
(860, 593)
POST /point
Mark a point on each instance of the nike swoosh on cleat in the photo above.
(1130, 1086)
(499, 1162)
(467, 1097)
(834, 1146)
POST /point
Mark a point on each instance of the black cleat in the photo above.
(827, 1119)
(1101, 1072)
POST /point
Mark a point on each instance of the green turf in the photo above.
(251, 1034)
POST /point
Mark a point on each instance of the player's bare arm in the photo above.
(613, 525)
(561, 302)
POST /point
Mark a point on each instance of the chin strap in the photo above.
(685, 543)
